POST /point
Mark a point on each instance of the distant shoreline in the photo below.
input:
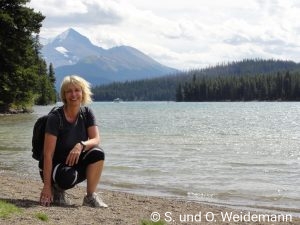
(124, 208)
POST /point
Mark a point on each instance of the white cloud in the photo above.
(182, 34)
(54, 8)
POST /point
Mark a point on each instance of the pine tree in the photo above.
(19, 61)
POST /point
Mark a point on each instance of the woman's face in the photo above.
(73, 94)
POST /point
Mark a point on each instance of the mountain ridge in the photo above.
(72, 53)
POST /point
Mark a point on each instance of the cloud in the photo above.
(76, 12)
(182, 34)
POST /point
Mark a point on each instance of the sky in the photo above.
(183, 34)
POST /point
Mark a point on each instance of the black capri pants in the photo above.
(66, 177)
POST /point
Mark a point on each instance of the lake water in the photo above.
(243, 154)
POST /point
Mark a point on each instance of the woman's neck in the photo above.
(71, 112)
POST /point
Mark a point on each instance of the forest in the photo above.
(25, 78)
(263, 87)
(157, 89)
(246, 80)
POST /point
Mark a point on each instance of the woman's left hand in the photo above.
(74, 155)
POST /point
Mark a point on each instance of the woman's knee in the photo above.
(94, 155)
(65, 177)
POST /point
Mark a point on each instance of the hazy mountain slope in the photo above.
(73, 53)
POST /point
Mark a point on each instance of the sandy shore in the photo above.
(124, 208)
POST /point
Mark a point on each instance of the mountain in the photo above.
(72, 53)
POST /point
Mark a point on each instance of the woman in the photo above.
(71, 152)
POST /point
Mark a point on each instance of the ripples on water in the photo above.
(243, 154)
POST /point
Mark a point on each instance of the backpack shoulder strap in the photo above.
(57, 110)
(83, 113)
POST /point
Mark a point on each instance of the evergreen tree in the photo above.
(52, 75)
(246, 80)
(52, 80)
(20, 63)
(276, 86)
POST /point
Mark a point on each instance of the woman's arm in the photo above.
(49, 148)
(94, 138)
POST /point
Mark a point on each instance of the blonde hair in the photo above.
(76, 80)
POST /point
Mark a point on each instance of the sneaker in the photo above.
(59, 196)
(94, 201)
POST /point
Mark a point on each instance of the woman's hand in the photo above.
(74, 155)
(46, 196)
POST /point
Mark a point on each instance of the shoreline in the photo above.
(123, 208)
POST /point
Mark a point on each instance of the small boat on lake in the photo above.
(117, 100)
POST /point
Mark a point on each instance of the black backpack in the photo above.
(38, 134)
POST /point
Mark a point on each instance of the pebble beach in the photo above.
(124, 208)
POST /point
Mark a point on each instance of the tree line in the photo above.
(249, 79)
(25, 79)
(280, 86)
(156, 89)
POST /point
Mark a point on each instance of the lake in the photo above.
(240, 154)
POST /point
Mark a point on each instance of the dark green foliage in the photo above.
(22, 70)
(232, 81)
(156, 89)
(281, 86)
(46, 89)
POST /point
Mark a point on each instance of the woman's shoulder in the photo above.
(88, 115)
(56, 113)
(86, 110)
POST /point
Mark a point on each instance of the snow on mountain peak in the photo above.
(62, 50)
